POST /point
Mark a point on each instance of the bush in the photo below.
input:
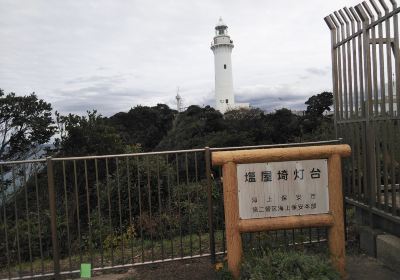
(285, 265)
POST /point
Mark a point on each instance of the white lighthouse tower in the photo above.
(222, 46)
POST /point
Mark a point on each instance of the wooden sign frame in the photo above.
(333, 220)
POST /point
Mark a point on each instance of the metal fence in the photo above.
(365, 71)
(117, 211)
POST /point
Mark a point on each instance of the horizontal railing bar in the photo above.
(129, 155)
(359, 120)
(114, 267)
(30, 276)
(372, 118)
(22, 161)
(373, 24)
(374, 210)
(277, 145)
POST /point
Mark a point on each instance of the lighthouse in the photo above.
(222, 46)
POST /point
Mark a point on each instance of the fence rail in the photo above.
(365, 71)
(117, 211)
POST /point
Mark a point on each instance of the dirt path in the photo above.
(359, 267)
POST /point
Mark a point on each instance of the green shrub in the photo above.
(284, 265)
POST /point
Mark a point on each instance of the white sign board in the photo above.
(288, 188)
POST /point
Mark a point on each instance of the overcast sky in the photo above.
(112, 55)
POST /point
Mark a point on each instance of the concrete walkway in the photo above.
(361, 267)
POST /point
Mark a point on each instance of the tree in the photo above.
(314, 117)
(144, 125)
(318, 104)
(285, 126)
(193, 128)
(25, 123)
(87, 135)
(248, 126)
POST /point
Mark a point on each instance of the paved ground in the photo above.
(359, 267)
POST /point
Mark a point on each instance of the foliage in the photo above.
(199, 127)
(314, 117)
(286, 126)
(25, 123)
(87, 135)
(318, 104)
(291, 265)
(144, 125)
(193, 128)
(278, 264)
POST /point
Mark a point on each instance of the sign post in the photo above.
(283, 188)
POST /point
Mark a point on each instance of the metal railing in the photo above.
(117, 211)
(365, 71)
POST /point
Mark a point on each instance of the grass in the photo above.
(137, 251)
(133, 251)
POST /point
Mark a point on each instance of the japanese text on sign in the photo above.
(282, 188)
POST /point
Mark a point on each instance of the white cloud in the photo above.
(113, 55)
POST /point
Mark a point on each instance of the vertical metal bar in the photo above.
(388, 58)
(140, 208)
(53, 217)
(359, 50)
(349, 64)
(353, 161)
(344, 67)
(223, 221)
(384, 135)
(396, 56)
(109, 210)
(130, 207)
(207, 156)
(197, 200)
(88, 211)
(378, 154)
(39, 222)
(149, 201)
(16, 221)
(179, 203)
(3, 190)
(393, 122)
(375, 124)
(29, 220)
(189, 204)
(67, 215)
(160, 207)
(358, 158)
(120, 211)
(393, 162)
(339, 68)
(77, 211)
(354, 50)
(335, 71)
(370, 137)
(382, 96)
(99, 212)
(381, 61)
(374, 81)
(169, 202)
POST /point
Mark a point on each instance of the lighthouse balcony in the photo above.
(221, 43)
